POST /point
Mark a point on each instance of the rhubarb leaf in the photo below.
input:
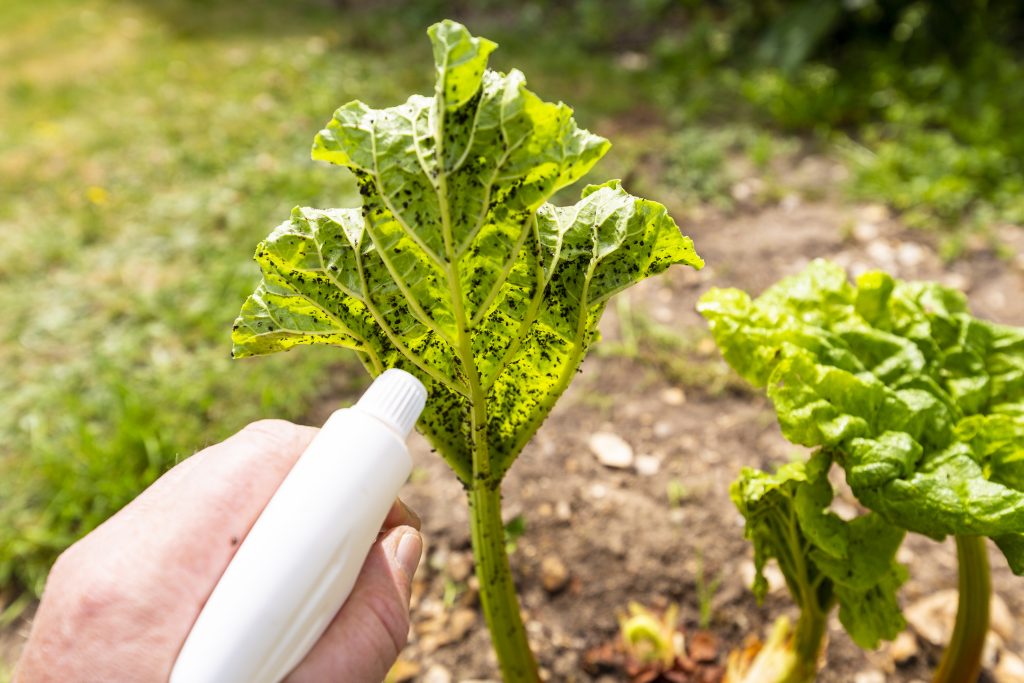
(455, 268)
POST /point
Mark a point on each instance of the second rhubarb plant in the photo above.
(921, 405)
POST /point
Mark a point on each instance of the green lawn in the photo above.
(141, 162)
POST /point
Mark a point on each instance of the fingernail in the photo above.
(410, 546)
(415, 520)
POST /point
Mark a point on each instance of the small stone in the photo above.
(554, 575)
(1010, 669)
(772, 574)
(663, 429)
(437, 674)
(460, 623)
(663, 314)
(597, 491)
(932, 617)
(790, 202)
(904, 648)
(673, 396)
(990, 652)
(458, 567)
(741, 191)
(611, 450)
(957, 281)
(647, 465)
(1000, 619)
(909, 254)
(880, 253)
(874, 213)
(563, 511)
(865, 231)
(566, 665)
(869, 677)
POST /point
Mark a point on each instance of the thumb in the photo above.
(371, 628)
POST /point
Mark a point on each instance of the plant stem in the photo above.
(808, 640)
(961, 662)
(497, 591)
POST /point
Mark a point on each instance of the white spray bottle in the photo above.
(297, 565)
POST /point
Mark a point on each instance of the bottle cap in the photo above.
(396, 398)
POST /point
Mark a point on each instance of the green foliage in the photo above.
(921, 404)
(917, 399)
(455, 269)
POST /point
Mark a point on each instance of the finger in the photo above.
(369, 631)
(401, 514)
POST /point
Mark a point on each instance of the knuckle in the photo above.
(275, 435)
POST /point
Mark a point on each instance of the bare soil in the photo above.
(616, 531)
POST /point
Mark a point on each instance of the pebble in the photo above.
(909, 254)
(563, 511)
(932, 617)
(904, 648)
(874, 213)
(772, 574)
(647, 465)
(673, 396)
(611, 450)
(663, 429)
(437, 674)
(957, 281)
(459, 566)
(554, 575)
(460, 623)
(1010, 669)
(869, 677)
(1001, 619)
(865, 231)
(790, 202)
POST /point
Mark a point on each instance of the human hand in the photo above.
(119, 603)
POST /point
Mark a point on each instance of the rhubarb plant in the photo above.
(922, 407)
(457, 270)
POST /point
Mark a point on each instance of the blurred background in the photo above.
(146, 147)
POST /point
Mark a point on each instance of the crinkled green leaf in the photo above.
(824, 558)
(454, 268)
(922, 404)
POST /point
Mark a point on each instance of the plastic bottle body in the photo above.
(297, 565)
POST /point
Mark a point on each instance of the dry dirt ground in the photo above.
(615, 531)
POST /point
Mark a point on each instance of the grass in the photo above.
(141, 166)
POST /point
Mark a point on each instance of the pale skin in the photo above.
(119, 603)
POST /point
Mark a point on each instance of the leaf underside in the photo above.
(455, 268)
(919, 402)
(823, 557)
